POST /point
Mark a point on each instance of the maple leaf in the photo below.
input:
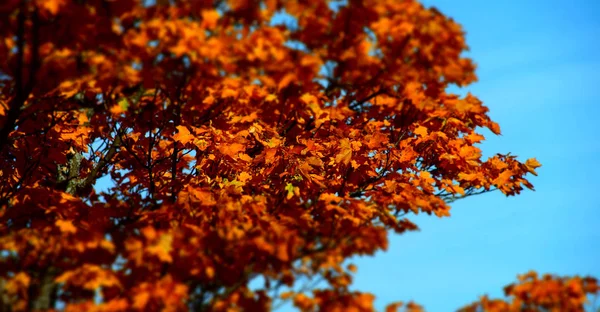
(232, 150)
(531, 165)
(421, 131)
(120, 107)
(183, 135)
(66, 226)
(244, 176)
(162, 248)
(210, 18)
(292, 190)
(345, 154)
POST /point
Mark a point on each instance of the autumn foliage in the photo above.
(164, 154)
(548, 293)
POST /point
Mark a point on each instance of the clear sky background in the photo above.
(538, 68)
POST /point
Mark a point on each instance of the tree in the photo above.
(549, 293)
(238, 147)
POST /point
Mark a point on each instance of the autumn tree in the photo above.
(546, 293)
(243, 140)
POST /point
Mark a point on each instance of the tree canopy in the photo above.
(163, 155)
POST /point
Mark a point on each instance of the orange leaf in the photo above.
(183, 135)
(231, 150)
(66, 226)
(345, 154)
(421, 131)
(210, 18)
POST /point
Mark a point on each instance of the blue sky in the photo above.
(538, 70)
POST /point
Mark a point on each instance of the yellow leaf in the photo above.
(532, 164)
(291, 190)
(123, 103)
(271, 98)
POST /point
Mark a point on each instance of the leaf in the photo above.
(52, 6)
(123, 104)
(494, 127)
(229, 93)
(244, 177)
(162, 247)
(308, 99)
(467, 176)
(292, 190)
(66, 226)
(232, 150)
(18, 282)
(183, 135)
(474, 138)
(140, 300)
(531, 165)
(345, 154)
(210, 272)
(210, 19)
(421, 131)
(282, 253)
(271, 98)
(286, 80)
